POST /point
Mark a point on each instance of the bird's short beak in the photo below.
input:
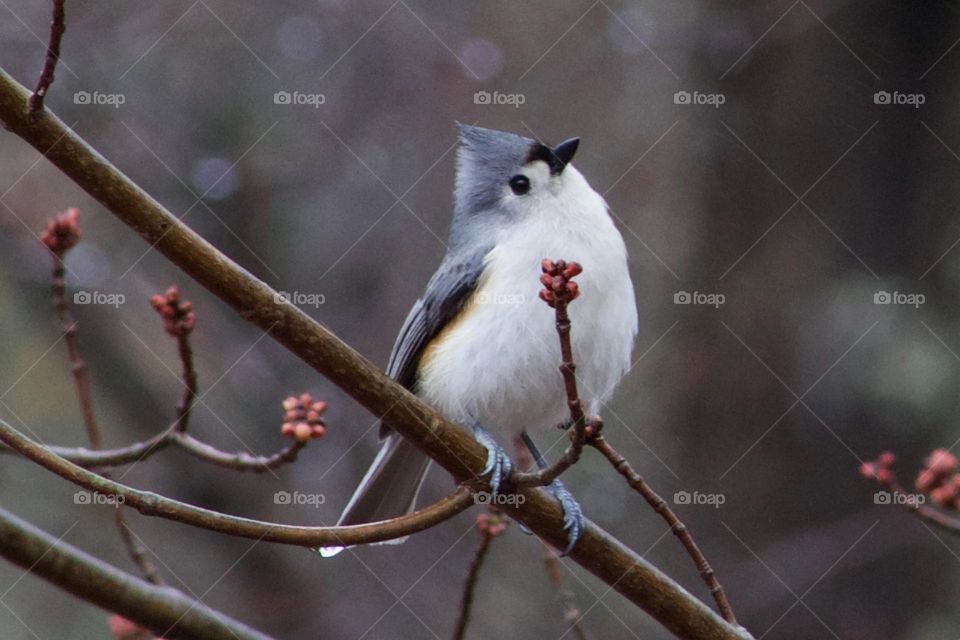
(563, 154)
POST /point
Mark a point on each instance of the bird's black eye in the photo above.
(520, 184)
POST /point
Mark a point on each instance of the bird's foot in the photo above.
(498, 466)
(573, 520)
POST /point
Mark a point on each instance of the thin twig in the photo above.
(151, 504)
(189, 376)
(490, 525)
(240, 461)
(136, 551)
(57, 27)
(638, 484)
(571, 613)
(81, 374)
(561, 294)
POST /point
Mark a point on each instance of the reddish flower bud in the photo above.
(302, 432)
(62, 232)
(177, 314)
(573, 270)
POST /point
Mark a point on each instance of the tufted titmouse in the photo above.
(480, 346)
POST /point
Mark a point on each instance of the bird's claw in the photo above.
(573, 520)
(498, 466)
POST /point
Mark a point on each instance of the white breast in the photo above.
(498, 363)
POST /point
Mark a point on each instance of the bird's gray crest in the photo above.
(487, 159)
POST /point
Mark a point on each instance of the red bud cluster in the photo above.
(177, 314)
(62, 232)
(939, 479)
(303, 418)
(491, 523)
(557, 281)
(880, 469)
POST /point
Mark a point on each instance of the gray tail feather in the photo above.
(389, 488)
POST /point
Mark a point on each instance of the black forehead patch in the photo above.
(540, 151)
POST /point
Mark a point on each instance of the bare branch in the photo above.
(164, 610)
(61, 234)
(490, 524)
(240, 461)
(151, 504)
(57, 27)
(638, 484)
(560, 290)
(571, 614)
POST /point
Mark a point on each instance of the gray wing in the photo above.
(446, 294)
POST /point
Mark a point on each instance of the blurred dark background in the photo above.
(771, 400)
